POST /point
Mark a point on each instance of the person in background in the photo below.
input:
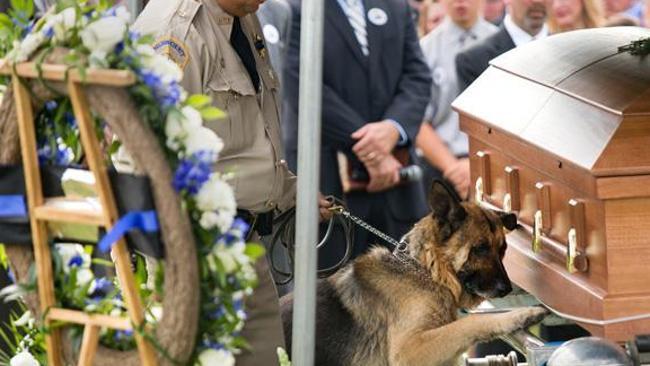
(432, 13)
(375, 89)
(567, 15)
(629, 8)
(440, 140)
(524, 22)
(275, 18)
(494, 11)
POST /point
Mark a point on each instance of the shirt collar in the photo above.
(520, 36)
(223, 19)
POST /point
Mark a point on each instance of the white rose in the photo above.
(98, 59)
(63, 22)
(226, 258)
(213, 357)
(25, 358)
(238, 251)
(103, 34)
(216, 195)
(123, 14)
(84, 276)
(145, 51)
(202, 139)
(209, 220)
(177, 125)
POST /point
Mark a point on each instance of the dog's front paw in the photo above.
(523, 318)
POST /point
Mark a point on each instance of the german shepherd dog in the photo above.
(401, 309)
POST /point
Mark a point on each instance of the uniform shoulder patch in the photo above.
(174, 49)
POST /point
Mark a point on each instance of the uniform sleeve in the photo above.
(197, 71)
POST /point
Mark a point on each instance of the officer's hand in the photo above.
(384, 174)
(324, 208)
(458, 175)
(376, 139)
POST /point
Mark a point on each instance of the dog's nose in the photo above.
(503, 288)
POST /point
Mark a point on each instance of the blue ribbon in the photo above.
(145, 221)
(12, 206)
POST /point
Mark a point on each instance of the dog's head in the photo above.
(463, 245)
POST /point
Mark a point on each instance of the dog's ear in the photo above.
(509, 220)
(446, 209)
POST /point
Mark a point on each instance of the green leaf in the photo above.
(212, 113)
(146, 39)
(198, 101)
(5, 21)
(102, 262)
(254, 250)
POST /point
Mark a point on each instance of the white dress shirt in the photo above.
(520, 36)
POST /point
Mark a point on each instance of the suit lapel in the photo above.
(340, 22)
(504, 41)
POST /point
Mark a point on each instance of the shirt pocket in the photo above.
(229, 97)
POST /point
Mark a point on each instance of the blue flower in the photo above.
(70, 119)
(193, 172)
(75, 261)
(103, 287)
(123, 335)
(119, 47)
(134, 36)
(51, 105)
(44, 153)
(207, 343)
(221, 311)
(48, 32)
(240, 226)
(167, 95)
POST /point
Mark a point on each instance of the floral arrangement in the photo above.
(98, 36)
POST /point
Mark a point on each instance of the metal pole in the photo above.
(309, 131)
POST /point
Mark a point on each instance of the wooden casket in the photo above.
(559, 133)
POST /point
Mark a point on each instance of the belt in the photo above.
(261, 223)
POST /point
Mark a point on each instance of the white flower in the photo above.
(29, 45)
(212, 357)
(12, 292)
(25, 320)
(97, 59)
(154, 314)
(166, 69)
(145, 51)
(68, 251)
(103, 34)
(226, 258)
(217, 196)
(62, 23)
(84, 275)
(202, 139)
(178, 125)
(25, 358)
(122, 13)
(238, 250)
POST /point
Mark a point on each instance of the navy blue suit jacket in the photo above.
(393, 82)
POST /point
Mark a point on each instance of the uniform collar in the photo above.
(520, 36)
(223, 19)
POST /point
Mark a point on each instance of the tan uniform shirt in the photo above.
(196, 35)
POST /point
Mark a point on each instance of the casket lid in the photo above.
(574, 95)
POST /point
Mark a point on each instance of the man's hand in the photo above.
(458, 175)
(324, 208)
(376, 140)
(384, 173)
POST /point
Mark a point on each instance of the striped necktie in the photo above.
(354, 12)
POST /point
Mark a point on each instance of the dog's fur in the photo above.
(385, 309)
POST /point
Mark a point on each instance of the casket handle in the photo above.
(576, 260)
(511, 200)
(544, 205)
(484, 171)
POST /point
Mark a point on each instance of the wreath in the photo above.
(208, 268)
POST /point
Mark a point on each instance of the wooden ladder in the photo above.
(106, 216)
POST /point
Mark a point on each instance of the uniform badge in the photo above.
(377, 16)
(174, 49)
(271, 33)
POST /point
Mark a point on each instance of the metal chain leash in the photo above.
(400, 246)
